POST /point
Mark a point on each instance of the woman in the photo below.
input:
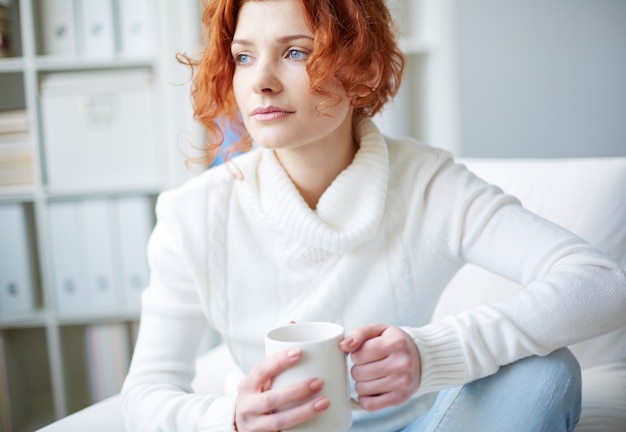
(330, 221)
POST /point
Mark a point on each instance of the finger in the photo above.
(393, 343)
(268, 368)
(356, 338)
(277, 399)
(380, 358)
(257, 409)
(372, 350)
(293, 416)
(369, 371)
(378, 402)
(400, 383)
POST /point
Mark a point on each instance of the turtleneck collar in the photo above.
(349, 211)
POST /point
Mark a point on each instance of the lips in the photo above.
(270, 113)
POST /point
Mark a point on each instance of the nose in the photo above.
(267, 79)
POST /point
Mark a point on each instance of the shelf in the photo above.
(11, 64)
(88, 319)
(36, 318)
(58, 194)
(55, 63)
(18, 193)
(46, 371)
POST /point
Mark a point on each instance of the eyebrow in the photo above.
(282, 39)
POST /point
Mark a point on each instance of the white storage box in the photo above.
(98, 130)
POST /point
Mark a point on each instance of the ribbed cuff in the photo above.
(441, 355)
(220, 416)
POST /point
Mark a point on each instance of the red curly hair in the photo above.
(349, 36)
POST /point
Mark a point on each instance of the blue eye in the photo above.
(242, 59)
(294, 54)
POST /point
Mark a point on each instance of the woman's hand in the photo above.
(387, 366)
(261, 408)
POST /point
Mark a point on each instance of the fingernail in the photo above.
(316, 384)
(321, 404)
(348, 341)
(294, 352)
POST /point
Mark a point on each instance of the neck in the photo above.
(313, 168)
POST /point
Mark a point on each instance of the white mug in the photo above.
(321, 358)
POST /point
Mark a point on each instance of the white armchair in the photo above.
(586, 196)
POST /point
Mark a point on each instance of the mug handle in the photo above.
(355, 405)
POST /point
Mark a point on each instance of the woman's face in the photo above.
(271, 85)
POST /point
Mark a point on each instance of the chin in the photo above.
(274, 143)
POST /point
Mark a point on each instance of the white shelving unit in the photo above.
(425, 108)
(47, 353)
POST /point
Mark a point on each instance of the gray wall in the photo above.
(541, 78)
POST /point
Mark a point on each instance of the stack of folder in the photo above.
(16, 155)
(97, 28)
(98, 254)
(17, 289)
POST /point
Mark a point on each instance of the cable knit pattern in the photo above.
(348, 213)
(217, 212)
(245, 253)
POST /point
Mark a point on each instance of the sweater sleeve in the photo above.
(573, 292)
(157, 393)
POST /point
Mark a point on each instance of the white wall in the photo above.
(541, 78)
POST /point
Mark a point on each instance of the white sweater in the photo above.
(239, 250)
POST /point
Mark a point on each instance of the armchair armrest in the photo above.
(104, 416)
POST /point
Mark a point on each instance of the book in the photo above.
(108, 359)
(16, 165)
(13, 122)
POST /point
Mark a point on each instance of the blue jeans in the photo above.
(531, 395)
